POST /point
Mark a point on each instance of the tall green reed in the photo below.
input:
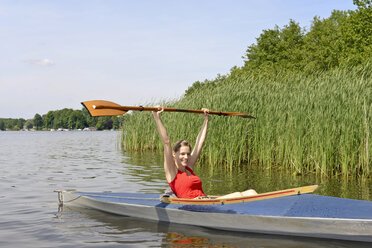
(317, 123)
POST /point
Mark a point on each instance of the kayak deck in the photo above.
(305, 205)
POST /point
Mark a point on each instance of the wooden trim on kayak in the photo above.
(222, 201)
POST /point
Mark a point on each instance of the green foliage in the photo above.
(358, 30)
(107, 122)
(323, 45)
(11, 124)
(29, 124)
(2, 125)
(362, 3)
(79, 119)
(342, 40)
(277, 48)
(197, 86)
(20, 123)
(65, 118)
(38, 121)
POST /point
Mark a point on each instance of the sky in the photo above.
(56, 54)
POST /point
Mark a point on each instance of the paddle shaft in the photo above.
(140, 108)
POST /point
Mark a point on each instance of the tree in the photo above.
(277, 48)
(115, 122)
(37, 121)
(101, 124)
(357, 34)
(48, 120)
(65, 118)
(264, 52)
(341, 40)
(29, 124)
(76, 119)
(362, 3)
(323, 43)
(2, 125)
(21, 123)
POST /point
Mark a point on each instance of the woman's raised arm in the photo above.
(169, 165)
(199, 140)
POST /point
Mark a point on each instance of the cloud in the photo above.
(40, 62)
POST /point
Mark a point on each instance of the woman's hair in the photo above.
(180, 143)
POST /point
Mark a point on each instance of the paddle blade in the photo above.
(94, 109)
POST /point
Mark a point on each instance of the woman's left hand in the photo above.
(157, 113)
(206, 113)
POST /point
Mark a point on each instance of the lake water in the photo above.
(34, 164)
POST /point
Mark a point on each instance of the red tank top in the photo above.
(185, 186)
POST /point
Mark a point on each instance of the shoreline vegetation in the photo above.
(305, 124)
(62, 120)
(310, 91)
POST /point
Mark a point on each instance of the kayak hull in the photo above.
(300, 215)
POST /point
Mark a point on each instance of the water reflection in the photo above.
(145, 168)
(96, 227)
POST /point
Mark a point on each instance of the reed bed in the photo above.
(305, 123)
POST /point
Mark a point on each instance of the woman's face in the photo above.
(182, 157)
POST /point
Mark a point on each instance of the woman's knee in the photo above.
(232, 195)
(249, 192)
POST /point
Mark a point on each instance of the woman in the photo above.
(179, 162)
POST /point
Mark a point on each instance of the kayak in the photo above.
(298, 214)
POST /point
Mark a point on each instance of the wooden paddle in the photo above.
(106, 108)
